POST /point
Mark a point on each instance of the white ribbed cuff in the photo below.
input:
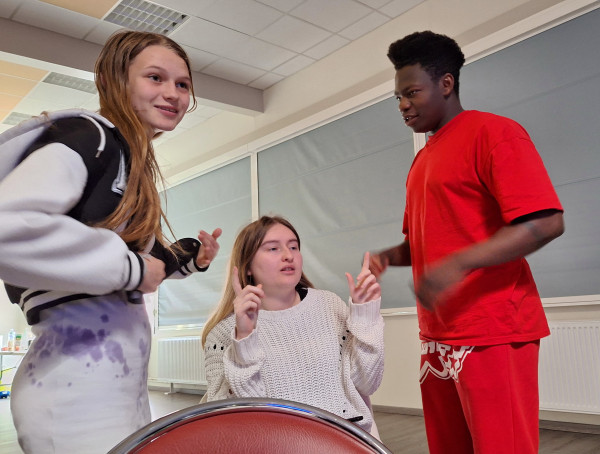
(246, 351)
(367, 313)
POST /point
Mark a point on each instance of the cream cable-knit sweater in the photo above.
(321, 352)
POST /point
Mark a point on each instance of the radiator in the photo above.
(181, 360)
(570, 367)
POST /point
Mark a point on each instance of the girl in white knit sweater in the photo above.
(274, 335)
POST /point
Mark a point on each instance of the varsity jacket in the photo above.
(60, 173)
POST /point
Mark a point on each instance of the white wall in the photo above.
(399, 390)
(400, 386)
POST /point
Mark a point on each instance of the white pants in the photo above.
(82, 387)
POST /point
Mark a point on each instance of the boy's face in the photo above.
(422, 101)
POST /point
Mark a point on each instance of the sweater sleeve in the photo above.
(232, 366)
(44, 248)
(217, 341)
(366, 357)
(243, 361)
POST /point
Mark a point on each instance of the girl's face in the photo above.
(278, 261)
(159, 87)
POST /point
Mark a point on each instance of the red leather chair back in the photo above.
(251, 426)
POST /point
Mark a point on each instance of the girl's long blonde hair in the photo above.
(245, 247)
(140, 209)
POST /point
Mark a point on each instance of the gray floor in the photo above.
(402, 434)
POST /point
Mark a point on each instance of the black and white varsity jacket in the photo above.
(59, 173)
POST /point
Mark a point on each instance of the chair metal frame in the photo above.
(188, 415)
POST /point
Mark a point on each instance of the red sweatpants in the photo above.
(481, 400)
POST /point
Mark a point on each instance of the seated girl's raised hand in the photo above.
(367, 288)
(245, 305)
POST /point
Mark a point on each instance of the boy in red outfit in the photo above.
(478, 200)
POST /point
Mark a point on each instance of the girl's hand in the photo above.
(245, 305)
(153, 275)
(367, 288)
(209, 248)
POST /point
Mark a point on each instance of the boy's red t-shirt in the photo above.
(475, 175)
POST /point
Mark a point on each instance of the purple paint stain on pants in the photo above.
(114, 352)
(79, 342)
(143, 345)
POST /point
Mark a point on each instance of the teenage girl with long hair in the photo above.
(82, 239)
(274, 335)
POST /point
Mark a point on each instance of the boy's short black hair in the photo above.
(437, 54)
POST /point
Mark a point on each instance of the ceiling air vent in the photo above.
(145, 17)
(76, 83)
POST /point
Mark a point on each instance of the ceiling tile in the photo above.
(206, 112)
(8, 7)
(233, 71)
(189, 121)
(33, 106)
(204, 35)
(23, 71)
(260, 54)
(374, 3)
(328, 46)
(16, 86)
(264, 82)
(293, 34)
(246, 16)
(364, 26)
(97, 8)
(54, 95)
(8, 102)
(190, 7)
(294, 65)
(53, 18)
(198, 58)
(397, 7)
(161, 158)
(333, 15)
(101, 31)
(282, 5)
(93, 104)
